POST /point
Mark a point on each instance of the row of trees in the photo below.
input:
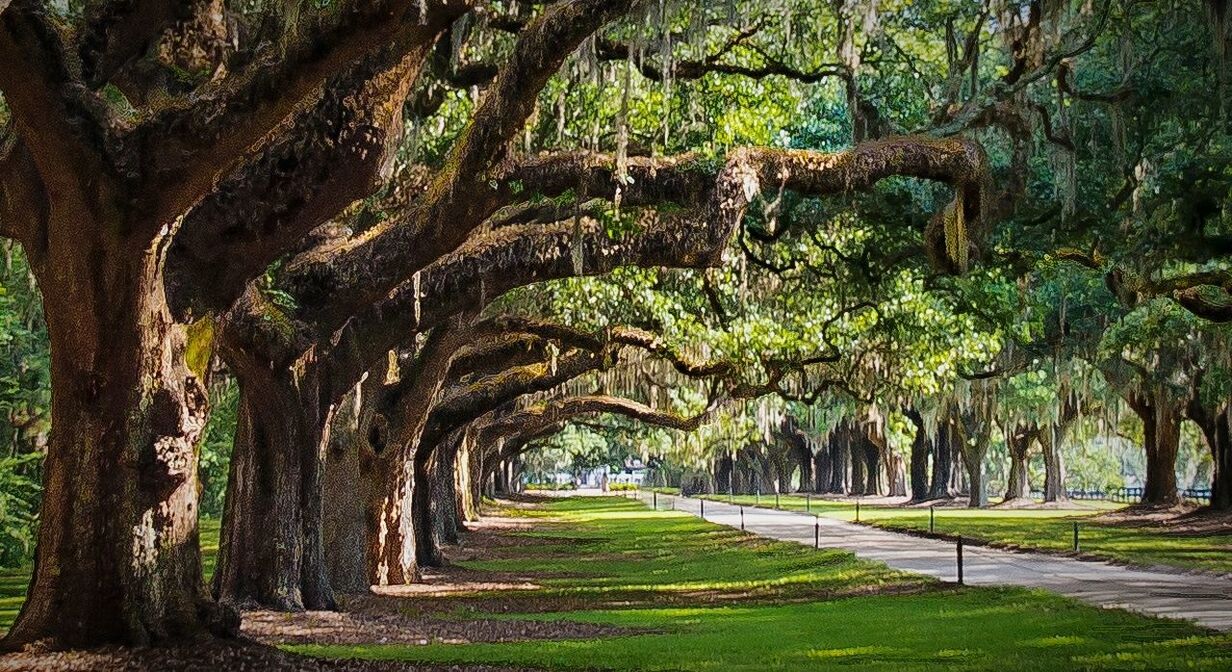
(352, 212)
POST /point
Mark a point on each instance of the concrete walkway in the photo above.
(1202, 598)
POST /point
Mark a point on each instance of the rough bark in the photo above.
(921, 448)
(943, 462)
(973, 460)
(270, 551)
(840, 466)
(346, 490)
(427, 552)
(857, 452)
(1213, 420)
(1161, 427)
(1018, 445)
(118, 559)
(821, 469)
(1054, 466)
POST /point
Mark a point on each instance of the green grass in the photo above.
(621, 548)
(717, 599)
(610, 545)
(1045, 529)
(14, 581)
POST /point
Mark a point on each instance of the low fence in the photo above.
(1130, 495)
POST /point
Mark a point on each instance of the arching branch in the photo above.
(61, 121)
(329, 281)
(194, 143)
(336, 152)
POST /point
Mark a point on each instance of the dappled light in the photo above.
(496, 335)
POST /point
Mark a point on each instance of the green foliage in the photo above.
(25, 404)
(215, 451)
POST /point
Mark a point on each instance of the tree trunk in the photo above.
(1019, 446)
(1221, 454)
(346, 492)
(858, 455)
(1054, 466)
(821, 469)
(118, 559)
(444, 491)
(921, 448)
(1214, 423)
(872, 473)
(427, 554)
(1161, 425)
(973, 457)
(271, 551)
(943, 462)
(806, 469)
(839, 458)
(469, 467)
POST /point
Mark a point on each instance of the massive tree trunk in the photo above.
(468, 469)
(724, 473)
(974, 436)
(921, 448)
(117, 558)
(857, 452)
(973, 459)
(1018, 444)
(1214, 423)
(874, 476)
(943, 462)
(821, 468)
(840, 457)
(270, 552)
(1161, 427)
(806, 470)
(444, 491)
(1054, 465)
(427, 553)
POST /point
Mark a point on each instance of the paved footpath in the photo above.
(1205, 599)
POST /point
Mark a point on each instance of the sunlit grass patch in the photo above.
(1044, 529)
(972, 629)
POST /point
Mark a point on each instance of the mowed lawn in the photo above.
(1044, 529)
(759, 605)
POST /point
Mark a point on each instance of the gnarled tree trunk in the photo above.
(1214, 423)
(270, 552)
(118, 559)
(921, 448)
(943, 462)
(1054, 466)
(1161, 426)
(1018, 444)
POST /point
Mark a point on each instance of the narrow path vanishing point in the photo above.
(1206, 600)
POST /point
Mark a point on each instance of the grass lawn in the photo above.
(1046, 529)
(752, 608)
(697, 596)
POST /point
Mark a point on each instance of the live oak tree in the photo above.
(127, 186)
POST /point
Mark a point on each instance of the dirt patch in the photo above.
(374, 627)
(1181, 520)
(1024, 503)
(211, 656)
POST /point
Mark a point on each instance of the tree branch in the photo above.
(462, 197)
(192, 144)
(54, 113)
